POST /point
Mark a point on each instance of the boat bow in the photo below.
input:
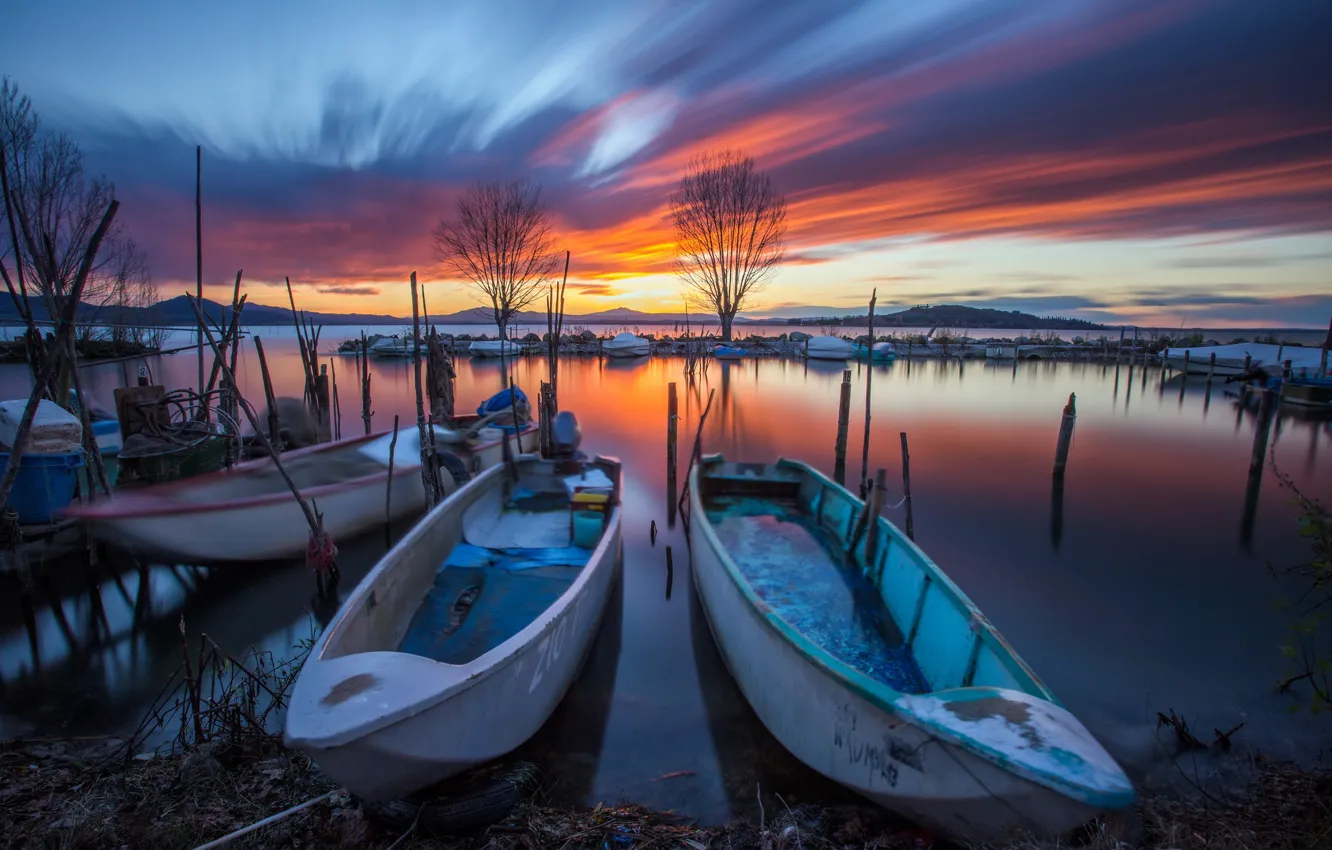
(1031, 737)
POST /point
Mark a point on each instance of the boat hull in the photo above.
(641, 350)
(466, 714)
(884, 756)
(269, 527)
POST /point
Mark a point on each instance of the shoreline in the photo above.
(79, 793)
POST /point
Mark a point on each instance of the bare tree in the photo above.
(133, 291)
(501, 242)
(730, 226)
(55, 209)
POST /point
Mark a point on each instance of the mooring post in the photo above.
(388, 488)
(672, 426)
(274, 423)
(869, 383)
(337, 405)
(1119, 352)
(876, 508)
(322, 400)
(1165, 357)
(1211, 368)
(906, 489)
(365, 382)
(670, 573)
(843, 423)
(1065, 434)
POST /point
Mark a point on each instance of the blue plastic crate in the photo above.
(44, 486)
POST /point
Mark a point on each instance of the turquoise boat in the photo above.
(883, 352)
(871, 666)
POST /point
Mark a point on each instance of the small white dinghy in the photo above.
(829, 348)
(876, 670)
(247, 513)
(459, 644)
(494, 348)
(627, 345)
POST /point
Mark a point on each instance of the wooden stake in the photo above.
(1211, 368)
(366, 413)
(427, 462)
(388, 490)
(906, 489)
(876, 508)
(1065, 434)
(843, 423)
(698, 448)
(1119, 352)
(869, 383)
(670, 573)
(198, 249)
(337, 406)
(274, 421)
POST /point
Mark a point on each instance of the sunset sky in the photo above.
(1149, 161)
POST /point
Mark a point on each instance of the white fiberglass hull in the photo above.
(385, 724)
(638, 350)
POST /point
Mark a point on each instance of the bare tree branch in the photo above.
(730, 228)
(501, 242)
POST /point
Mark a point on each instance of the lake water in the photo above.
(1142, 589)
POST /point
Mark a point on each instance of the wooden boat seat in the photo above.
(788, 560)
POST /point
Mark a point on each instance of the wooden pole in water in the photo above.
(869, 382)
(876, 508)
(906, 489)
(1065, 434)
(1327, 345)
(322, 403)
(672, 424)
(198, 249)
(427, 462)
(843, 423)
(365, 383)
(337, 405)
(388, 489)
(274, 423)
(670, 573)
(1119, 352)
(1211, 368)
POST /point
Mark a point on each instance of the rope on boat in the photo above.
(245, 830)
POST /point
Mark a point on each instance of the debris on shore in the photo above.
(94, 793)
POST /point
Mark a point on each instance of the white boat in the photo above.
(1230, 358)
(829, 348)
(875, 669)
(247, 513)
(460, 643)
(493, 347)
(627, 345)
(395, 346)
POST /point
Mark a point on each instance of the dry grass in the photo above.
(82, 795)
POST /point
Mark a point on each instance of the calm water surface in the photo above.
(1141, 588)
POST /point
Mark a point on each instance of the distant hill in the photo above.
(958, 316)
(177, 311)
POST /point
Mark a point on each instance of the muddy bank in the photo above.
(95, 793)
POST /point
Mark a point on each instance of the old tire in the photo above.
(457, 469)
(480, 801)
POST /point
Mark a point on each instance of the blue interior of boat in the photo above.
(476, 604)
(792, 563)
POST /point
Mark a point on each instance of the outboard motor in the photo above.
(566, 435)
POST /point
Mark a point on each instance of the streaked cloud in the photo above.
(937, 136)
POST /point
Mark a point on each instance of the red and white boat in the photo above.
(247, 513)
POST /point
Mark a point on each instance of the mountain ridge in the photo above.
(177, 311)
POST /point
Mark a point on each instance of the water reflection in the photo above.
(1181, 613)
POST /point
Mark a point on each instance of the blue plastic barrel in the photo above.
(44, 486)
